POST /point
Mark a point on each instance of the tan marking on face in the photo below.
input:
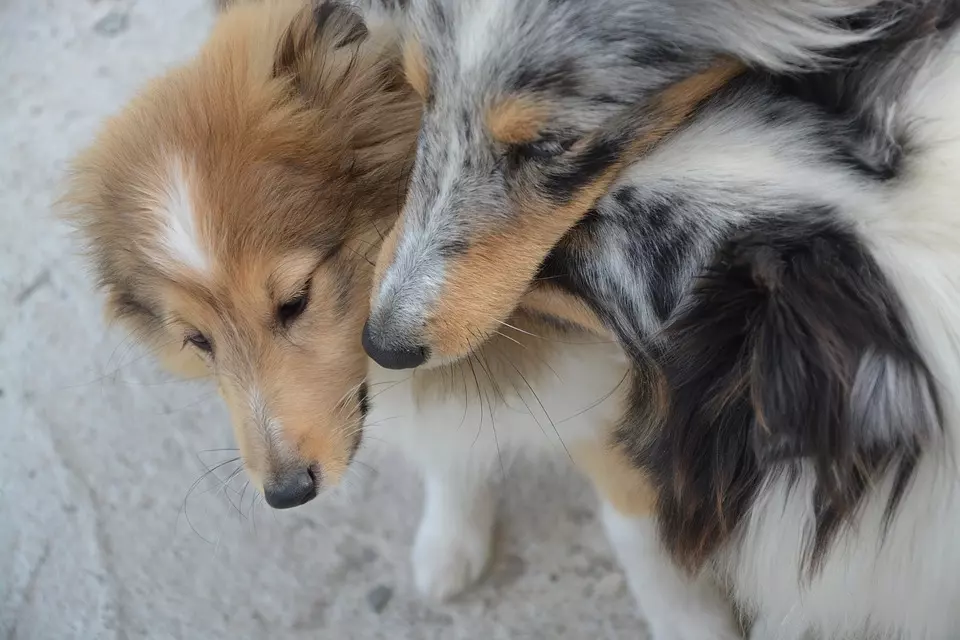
(314, 398)
(617, 481)
(415, 67)
(675, 105)
(513, 358)
(516, 119)
(485, 284)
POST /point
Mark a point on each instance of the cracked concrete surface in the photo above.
(103, 533)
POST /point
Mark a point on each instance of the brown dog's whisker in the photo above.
(184, 508)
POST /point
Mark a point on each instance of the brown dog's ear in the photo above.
(344, 68)
(334, 55)
(319, 30)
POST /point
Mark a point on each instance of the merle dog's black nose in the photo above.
(291, 488)
(392, 356)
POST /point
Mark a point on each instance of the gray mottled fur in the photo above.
(594, 61)
(826, 147)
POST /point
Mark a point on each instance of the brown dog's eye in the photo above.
(200, 341)
(293, 309)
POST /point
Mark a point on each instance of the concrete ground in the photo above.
(100, 534)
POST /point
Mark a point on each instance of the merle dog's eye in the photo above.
(546, 148)
(293, 309)
(200, 341)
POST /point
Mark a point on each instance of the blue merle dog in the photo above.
(759, 198)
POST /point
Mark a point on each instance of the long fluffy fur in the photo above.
(781, 267)
(768, 247)
(791, 346)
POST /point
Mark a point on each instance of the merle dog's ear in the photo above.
(793, 346)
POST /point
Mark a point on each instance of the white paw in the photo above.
(448, 559)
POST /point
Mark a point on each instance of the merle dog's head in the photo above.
(532, 107)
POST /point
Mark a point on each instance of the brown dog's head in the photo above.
(230, 209)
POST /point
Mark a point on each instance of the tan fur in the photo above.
(620, 483)
(486, 283)
(556, 303)
(507, 260)
(516, 119)
(675, 105)
(415, 67)
(294, 151)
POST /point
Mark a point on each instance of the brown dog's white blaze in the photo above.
(484, 281)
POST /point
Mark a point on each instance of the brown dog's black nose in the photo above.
(291, 488)
(392, 356)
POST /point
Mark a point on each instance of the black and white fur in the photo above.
(786, 266)
(808, 446)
